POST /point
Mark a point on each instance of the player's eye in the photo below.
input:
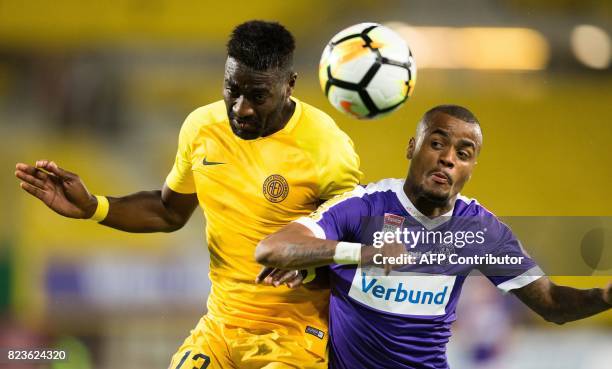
(259, 98)
(463, 155)
(436, 144)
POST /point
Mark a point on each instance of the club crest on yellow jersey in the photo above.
(275, 188)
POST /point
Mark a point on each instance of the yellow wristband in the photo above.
(102, 209)
(310, 275)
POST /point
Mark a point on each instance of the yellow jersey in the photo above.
(249, 189)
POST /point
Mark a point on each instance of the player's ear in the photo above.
(291, 83)
(410, 150)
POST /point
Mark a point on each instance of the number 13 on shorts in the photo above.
(196, 358)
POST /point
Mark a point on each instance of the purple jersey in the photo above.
(402, 320)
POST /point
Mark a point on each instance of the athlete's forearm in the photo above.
(561, 304)
(573, 304)
(294, 247)
(143, 212)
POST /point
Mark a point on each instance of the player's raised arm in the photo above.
(561, 304)
(65, 193)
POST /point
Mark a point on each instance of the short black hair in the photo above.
(455, 111)
(262, 45)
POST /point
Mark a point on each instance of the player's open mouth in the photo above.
(245, 126)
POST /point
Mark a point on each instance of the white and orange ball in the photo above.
(367, 71)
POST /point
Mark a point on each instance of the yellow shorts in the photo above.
(215, 345)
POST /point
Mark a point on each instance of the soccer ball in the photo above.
(367, 71)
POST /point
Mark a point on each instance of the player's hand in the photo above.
(382, 255)
(275, 277)
(607, 295)
(62, 191)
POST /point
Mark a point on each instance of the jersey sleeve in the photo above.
(340, 170)
(509, 276)
(180, 178)
(338, 218)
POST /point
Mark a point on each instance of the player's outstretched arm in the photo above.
(561, 304)
(295, 247)
(65, 193)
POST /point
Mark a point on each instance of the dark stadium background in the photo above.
(102, 88)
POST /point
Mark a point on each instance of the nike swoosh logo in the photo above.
(205, 162)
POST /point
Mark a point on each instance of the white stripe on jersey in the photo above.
(521, 280)
(313, 226)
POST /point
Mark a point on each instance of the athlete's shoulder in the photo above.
(207, 115)
(377, 197)
(317, 121)
(315, 114)
(496, 227)
(468, 206)
(374, 199)
(211, 116)
(318, 133)
(385, 185)
(330, 150)
(385, 196)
